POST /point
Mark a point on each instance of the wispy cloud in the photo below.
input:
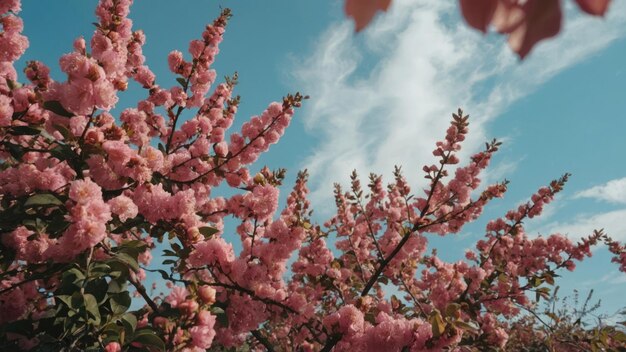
(612, 222)
(583, 225)
(613, 191)
(384, 97)
(612, 278)
(502, 170)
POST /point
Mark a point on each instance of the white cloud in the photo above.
(583, 225)
(385, 96)
(502, 170)
(613, 191)
(613, 279)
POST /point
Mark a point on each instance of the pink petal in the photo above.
(478, 13)
(508, 16)
(542, 20)
(594, 7)
(363, 11)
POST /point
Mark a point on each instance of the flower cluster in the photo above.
(89, 199)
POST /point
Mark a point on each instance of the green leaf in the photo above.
(120, 302)
(30, 224)
(25, 131)
(74, 277)
(98, 287)
(91, 304)
(65, 132)
(437, 323)
(164, 274)
(42, 199)
(112, 333)
(66, 299)
(99, 269)
(502, 278)
(149, 338)
(466, 326)
(63, 152)
(207, 231)
(134, 248)
(57, 108)
(77, 301)
(129, 260)
(129, 224)
(130, 323)
(56, 225)
(453, 310)
(220, 304)
(619, 336)
(542, 292)
(15, 150)
(182, 82)
(220, 316)
(553, 317)
(116, 287)
(549, 278)
(536, 282)
(119, 270)
(13, 84)
(168, 253)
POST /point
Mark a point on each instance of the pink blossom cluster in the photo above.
(194, 331)
(388, 333)
(15, 303)
(84, 189)
(87, 215)
(12, 45)
(619, 251)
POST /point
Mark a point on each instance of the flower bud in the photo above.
(207, 294)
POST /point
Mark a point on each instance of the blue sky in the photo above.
(384, 96)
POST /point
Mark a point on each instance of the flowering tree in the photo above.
(525, 22)
(86, 198)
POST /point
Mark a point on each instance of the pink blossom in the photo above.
(108, 170)
(175, 60)
(10, 5)
(202, 335)
(348, 319)
(113, 347)
(221, 148)
(85, 191)
(214, 250)
(177, 296)
(389, 334)
(207, 294)
(123, 207)
(188, 307)
(196, 48)
(12, 43)
(145, 77)
(6, 111)
(205, 318)
(263, 201)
